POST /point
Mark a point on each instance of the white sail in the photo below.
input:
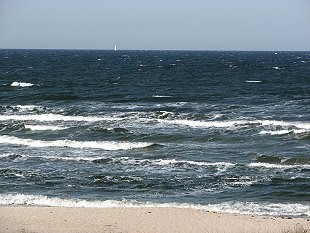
(115, 48)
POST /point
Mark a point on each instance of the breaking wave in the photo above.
(271, 209)
(104, 145)
(22, 84)
(56, 117)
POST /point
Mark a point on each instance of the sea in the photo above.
(225, 131)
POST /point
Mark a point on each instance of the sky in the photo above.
(156, 24)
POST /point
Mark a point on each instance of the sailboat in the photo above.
(115, 49)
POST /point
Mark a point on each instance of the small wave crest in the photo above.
(205, 124)
(161, 96)
(44, 127)
(283, 160)
(282, 128)
(253, 81)
(22, 84)
(56, 117)
(104, 145)
(279, 166)
(195, 163)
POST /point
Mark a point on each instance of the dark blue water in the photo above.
(228, 131)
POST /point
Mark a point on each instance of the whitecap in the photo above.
(197, 163)
(205, 124)
(253, 81)
(282, 132)
(44, 127)
(27, 107)
(104, 145)
(56, 117)
(278, 132)
(161, 96)
(278, 166)
(21, 84)
(303, 125)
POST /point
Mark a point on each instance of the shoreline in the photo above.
(35, 219)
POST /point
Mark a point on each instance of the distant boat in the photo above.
(115, 48)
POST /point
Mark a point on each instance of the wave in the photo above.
(279, 166)
(283, 160)
(11, 127)
(129, 161)
(205, 124)
(196, 163)
(20, 127)
(161, 96)
(286, 127)
(282, 132)
(104, 145)
(301, 125)
(253, 81)
(265, 127)
(28, 107)
(56, 117)
(22, 84)
(271, 209)
(44, 127)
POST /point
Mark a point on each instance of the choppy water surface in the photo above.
(226, 131)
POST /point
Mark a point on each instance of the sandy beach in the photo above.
(138, 220)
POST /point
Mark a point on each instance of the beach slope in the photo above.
(138, 220)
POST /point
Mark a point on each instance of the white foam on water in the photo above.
(278, 132)
(27, 107)
(271, 209)
(281, 132)
(56, 117)
(243, 181)
(278, 166)
(173, 161)
(161, 96)
(253, 81)
(276, 68)
(22, 84)
(205, 124)
(44, 127)
(221, 166)
(274, 123)
(289, 127)
(104, 145)
(216, 116)
(300, 125)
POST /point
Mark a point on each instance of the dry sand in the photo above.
(137, 220)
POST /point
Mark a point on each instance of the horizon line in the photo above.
(194, 50)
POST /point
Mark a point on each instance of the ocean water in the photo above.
(223, 131)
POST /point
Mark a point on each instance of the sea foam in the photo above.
(278, 166)
(205, 124)
(56, 117)
(21, 84)
(271, 209)
(44, 127)
(104, 145)
(253, 81)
